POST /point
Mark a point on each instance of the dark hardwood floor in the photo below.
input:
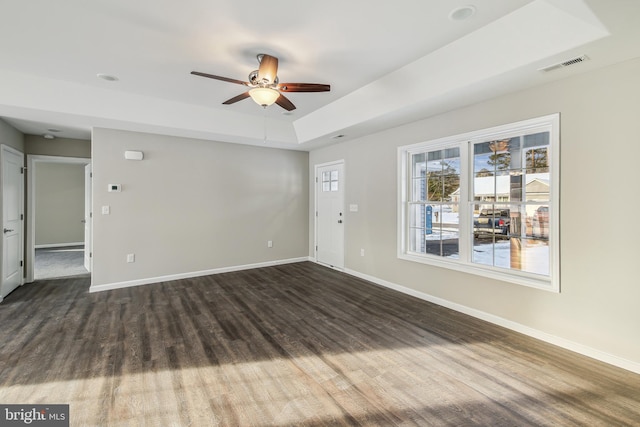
(289, 345)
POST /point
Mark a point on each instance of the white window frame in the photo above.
(550, 123)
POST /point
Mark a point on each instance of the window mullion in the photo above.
(464, 217)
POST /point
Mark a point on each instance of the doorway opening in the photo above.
(59, 217)
(57, 262)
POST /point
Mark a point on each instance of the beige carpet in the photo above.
(59, 262)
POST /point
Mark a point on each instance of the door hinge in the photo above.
(316, 248)
(316, 213)
(21, 217)
(90, 254)
(90, 214)
(90, 174)
(20, 263)
(316, 179)
(22, 170)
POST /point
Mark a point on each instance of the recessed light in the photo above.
(462, 13)
(107, 77)
(48, 136)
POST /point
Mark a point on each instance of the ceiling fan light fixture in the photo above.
(264, 96)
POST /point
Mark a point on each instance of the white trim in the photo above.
(509, 324)
(189, 275)
(58, 245)
(9, 149)
(59, 159)
(30, 250)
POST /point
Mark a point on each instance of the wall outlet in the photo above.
(131, 257)
(361, 252)
(269, 243)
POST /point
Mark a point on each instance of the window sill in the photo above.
(519, 278)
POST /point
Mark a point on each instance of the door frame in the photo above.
(32, 161)
(88, 215)
(3, 148)
(315, 204)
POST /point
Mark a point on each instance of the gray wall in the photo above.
(600, 147)
(11, 136)
(59, 202)
(61, 147)
(194, 205)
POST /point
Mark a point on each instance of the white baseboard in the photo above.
(514, 326)
(189, 275)
(58, 245)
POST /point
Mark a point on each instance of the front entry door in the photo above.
(12, 220)
(330, 215)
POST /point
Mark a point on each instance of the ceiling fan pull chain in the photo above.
(265, 124)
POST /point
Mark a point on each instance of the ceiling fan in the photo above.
(265, 87)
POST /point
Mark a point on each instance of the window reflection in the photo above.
(510, 210)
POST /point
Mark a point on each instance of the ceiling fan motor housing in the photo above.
(255, 81)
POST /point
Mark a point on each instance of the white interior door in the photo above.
(330, 215)
(87, 217)
(12, 220)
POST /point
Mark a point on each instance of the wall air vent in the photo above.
(572, 61)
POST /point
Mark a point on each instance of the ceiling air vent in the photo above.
(573, 61)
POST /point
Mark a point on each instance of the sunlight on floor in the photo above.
(314, 388)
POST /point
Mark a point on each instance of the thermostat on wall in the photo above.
(115, 188)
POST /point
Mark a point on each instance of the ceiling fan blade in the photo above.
(303, 87)
(224, 79)
(236, 98)
(268, 68)
(284, 102)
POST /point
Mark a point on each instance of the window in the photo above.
(435, 176)
(484, 202)
(330, 181)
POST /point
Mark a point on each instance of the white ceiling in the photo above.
(388, 63)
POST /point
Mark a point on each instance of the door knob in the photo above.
(339, 221)
(6, 230)
(84, 221)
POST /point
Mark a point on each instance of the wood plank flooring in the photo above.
(289, 345)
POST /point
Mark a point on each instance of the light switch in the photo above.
(106, 210)
(353, 208)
